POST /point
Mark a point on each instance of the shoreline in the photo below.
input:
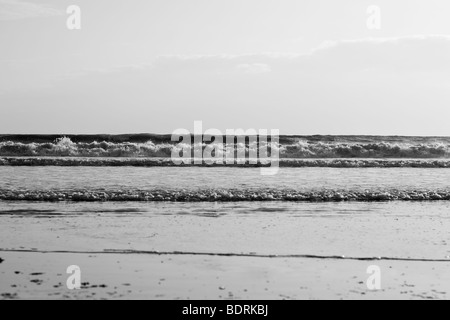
(302, 253)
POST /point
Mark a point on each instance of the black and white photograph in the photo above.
(224, 155)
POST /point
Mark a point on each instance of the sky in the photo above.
(154, 66)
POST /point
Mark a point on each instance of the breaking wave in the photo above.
(289, 147)
(64, 147)
(223, 195)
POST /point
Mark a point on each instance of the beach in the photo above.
(196, 278)
(139, 227)
(227, 251)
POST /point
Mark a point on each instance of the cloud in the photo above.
(220, 64)
(423, 53)
(363, 86)
(406, 62)
(17, 10)
(254, 68)
(419, 60)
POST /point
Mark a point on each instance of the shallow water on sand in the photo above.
(403, 230)
(366, 229)
(168, 184)
(131, 178)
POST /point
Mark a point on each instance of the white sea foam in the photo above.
(291, 149)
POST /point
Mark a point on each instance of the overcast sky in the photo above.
(301, 66)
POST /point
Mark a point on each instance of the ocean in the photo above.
(112, 170)
(138, 168)
(62, 196)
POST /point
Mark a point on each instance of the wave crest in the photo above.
(64, 147)
(288, 149)
(224, 195)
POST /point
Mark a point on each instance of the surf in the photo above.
(289, 147)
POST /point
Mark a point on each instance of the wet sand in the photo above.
(409, 242)
(118, 276)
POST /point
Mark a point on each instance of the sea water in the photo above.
(227, 210)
